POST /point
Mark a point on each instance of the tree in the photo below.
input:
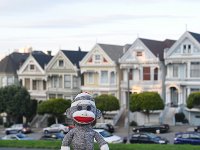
(106, 102)
(193, 100)
(146, 102)
(15, 101)
(54, 107)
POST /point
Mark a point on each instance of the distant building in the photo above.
(9, 66)
(32, 74)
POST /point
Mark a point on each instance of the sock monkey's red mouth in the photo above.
(84, 119)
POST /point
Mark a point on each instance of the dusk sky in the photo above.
(67, 24)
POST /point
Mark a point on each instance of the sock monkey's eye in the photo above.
(79, 108)
(88, 108)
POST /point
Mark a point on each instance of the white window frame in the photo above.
(90, 77)
(97, 58)
(195, 69)
(75, 82)
(104, 79)
(175, 71)
(112, 77)
(67, 81)
(32, 69)
(59, 63)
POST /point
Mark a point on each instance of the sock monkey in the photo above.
(83, 111)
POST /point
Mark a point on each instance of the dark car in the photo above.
(106, 126)
(187, 138)
(162, 128)
(197, 129)
(147, 138)
(18, 128)
(52, 136)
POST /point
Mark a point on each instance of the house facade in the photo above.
(182, 62)
(63, 74)
(32, 74)
(9, 66)
(100, 70)
(143, 70)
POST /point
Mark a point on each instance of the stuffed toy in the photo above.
(84, 113)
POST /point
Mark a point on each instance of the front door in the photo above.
(174, 96)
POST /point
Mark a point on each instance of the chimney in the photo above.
(49, 53)
(79, 49)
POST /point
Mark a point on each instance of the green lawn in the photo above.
(57, 144)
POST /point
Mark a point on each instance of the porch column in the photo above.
(167, 102)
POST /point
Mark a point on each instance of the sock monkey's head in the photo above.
(83, 109)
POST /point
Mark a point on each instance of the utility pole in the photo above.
(128, 107)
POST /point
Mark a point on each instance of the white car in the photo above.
(108, 137)
(56, 128)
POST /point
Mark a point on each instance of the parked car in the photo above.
(19, 136)
(197, 129)
(153, 128)
(187, 138)
(56, 128)
(147, 138)
(18, 128)
(52, 136)
(108, 137)
(107, 126)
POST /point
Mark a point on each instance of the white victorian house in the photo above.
(143, 69)
(183, 75)
(32, 74)
(100, 70)
(63, 74)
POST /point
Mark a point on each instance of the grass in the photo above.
(57, 144)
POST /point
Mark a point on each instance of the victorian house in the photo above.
(32, 74)
(182, 62)
(63, 74)
(100, 69)
(143, 69)
(9, 66)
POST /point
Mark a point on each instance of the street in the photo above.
(123, 132)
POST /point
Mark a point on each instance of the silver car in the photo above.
(56, 128)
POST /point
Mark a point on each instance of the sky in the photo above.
(67, 24)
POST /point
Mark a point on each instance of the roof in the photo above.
(157, 47)
(114, 51)
(196, 36)
(12, 62)
(41, 58)
(74, 56)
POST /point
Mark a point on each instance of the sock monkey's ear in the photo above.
(68, 114)
(98, 114)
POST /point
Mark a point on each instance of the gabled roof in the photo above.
(196, 36)
(41, 58)
(157, 47)
(74, 56)
(12, 62)
(113, 51)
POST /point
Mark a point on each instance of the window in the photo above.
(97, 58)
(27, 83)
(60, 63)
(32, 67)
(34, 85)
(195, 69)
(139, 53)
(10, 80)
(156, 74)
(90, 77)
(175, 71)
(44, 85)
(75, 82)
(55, 82)
(67, 81)
(59, 96)
(192, 90)
(112, 78)
(51, 96)
(130, 74)
(146, 73)
(104, 77)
